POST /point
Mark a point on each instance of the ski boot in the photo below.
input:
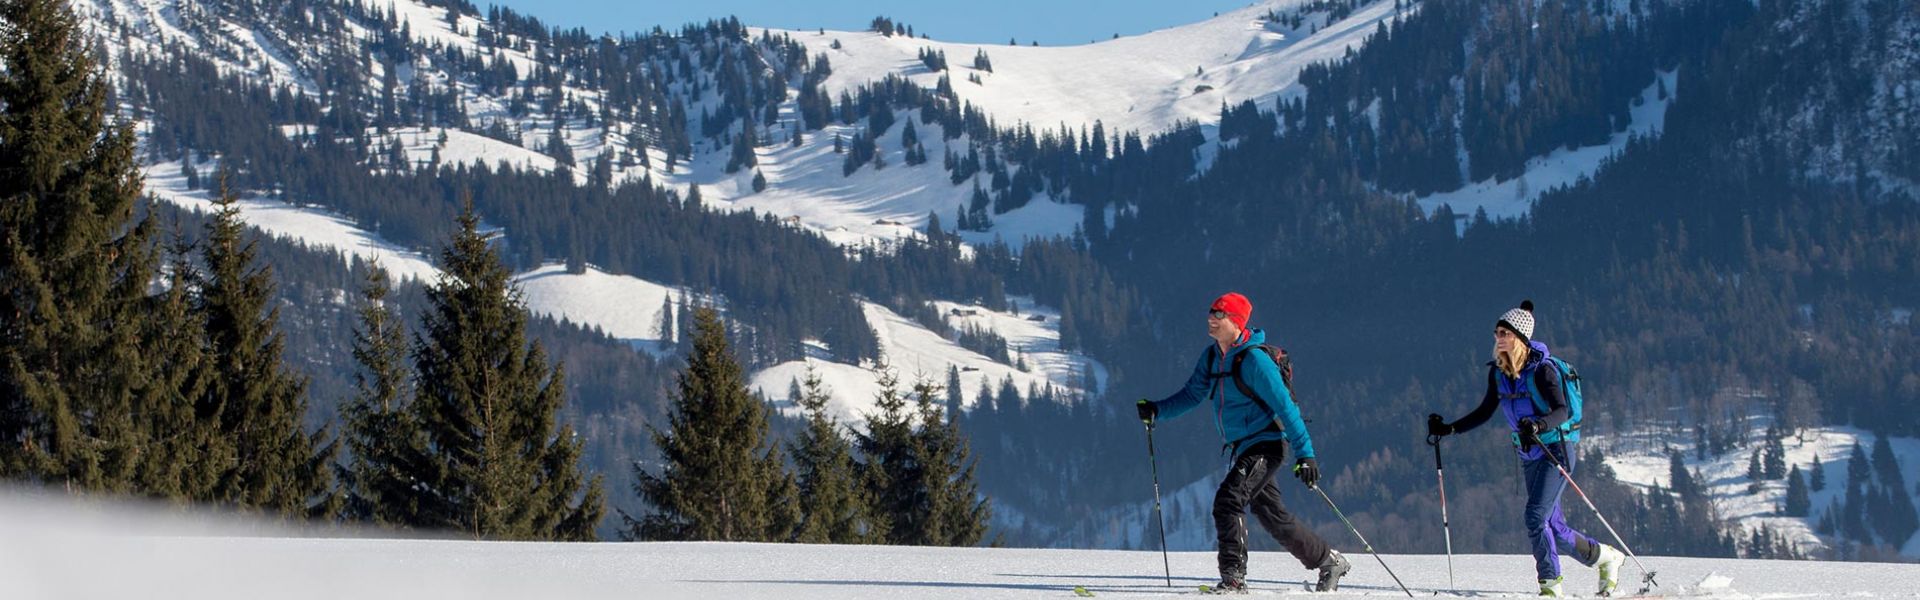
(1550, 588)
(1331, 570)
(1228, 585)
(1607, 564)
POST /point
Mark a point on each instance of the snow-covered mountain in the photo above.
(1146, 84)
(61, 550)
(1142, 83)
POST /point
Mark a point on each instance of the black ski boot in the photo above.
(1331, 570)
(1228, 585)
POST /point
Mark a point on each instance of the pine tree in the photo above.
(722, 479)
(174, 466)
(487, 402)
(888, 470)
(1859, 471)
(1817, 475)
(1773, 458)
(1680, 479)
(257, 403)
(835, 506)
(663, 329)
(1885, 465)
(1797, 503)
(388, 451)
(955, 515)
(74, 346)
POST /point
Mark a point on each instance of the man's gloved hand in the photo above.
(1148, 411)
(1307, 470)
(1438, 427)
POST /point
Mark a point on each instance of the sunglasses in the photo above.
(1216, 314)
(1502, 333)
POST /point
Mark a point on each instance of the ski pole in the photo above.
(1363, 539)
(1153, 460)
(1445, 525)
(1646, 576)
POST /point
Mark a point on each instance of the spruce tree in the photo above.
(1798, 502)
(1680, 478)
(487, 402)
(387, 450)
(1773, 458)
(955, 514)
(177, 465)
(257, 404)
(74, 360)
(1817, 475)
(1886, 466)
(889, 469)
(663, 329)
(721, 479)
(1859, 471)
(835, 506)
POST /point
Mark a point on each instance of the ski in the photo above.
(1207, 589)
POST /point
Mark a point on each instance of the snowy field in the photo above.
(54, 550)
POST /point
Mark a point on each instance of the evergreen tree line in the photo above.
(1872, 515)
(906, 479)
(109, 387)
(179, 391)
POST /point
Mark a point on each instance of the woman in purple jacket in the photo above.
(1535, 405)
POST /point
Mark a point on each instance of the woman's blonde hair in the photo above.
(1511, 362)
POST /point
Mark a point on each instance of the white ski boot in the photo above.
(1608, 567)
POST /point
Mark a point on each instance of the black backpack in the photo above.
(1280, 359)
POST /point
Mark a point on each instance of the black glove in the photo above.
(1438, 427)
(1307, 470)
(1530, 429)
(1148, 411)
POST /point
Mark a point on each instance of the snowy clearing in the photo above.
(58, 549)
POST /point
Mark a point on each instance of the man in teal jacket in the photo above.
(1258, 432)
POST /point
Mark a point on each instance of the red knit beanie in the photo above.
(1236, 306)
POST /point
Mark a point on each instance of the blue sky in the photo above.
(1051, 22)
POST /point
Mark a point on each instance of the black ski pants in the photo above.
(1250, 484)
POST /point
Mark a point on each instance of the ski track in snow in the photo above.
(58, 549)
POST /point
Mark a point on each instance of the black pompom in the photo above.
(1526, 305)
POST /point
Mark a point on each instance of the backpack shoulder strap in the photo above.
(1561, 369)
(1281, 361)
(1241, 382)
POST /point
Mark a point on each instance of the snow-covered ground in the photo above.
(626, 308)
(1562, 167)
(314, 227)
(1640, 459)
(59, 549)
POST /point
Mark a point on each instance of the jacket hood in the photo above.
(1539, 353)
(1253, 338)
